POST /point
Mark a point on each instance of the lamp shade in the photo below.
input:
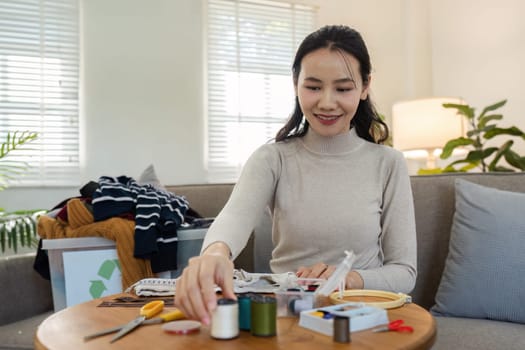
(424, 124)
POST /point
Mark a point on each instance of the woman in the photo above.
(330, 184)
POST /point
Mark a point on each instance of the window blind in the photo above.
(250, 48)
(39, 73)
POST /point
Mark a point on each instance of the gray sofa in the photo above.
(26, 301)
(434, 205)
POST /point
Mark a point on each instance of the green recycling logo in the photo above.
(105, 271)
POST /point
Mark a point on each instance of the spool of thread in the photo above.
(263, 316)
(225, 319)
(245, 314)
(342, 329)
(296, 305)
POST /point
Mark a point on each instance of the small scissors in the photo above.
(146, 313)
(395, 326)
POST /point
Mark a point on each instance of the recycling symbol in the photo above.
(106, 270)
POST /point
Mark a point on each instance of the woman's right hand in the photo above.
(195, 289)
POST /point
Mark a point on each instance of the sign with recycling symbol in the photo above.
(91, 274)
(105, 271)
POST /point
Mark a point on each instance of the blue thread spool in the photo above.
(244, 312)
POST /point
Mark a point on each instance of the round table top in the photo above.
(66, 329)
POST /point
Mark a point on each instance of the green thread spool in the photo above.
(245, 314)
(263, 316)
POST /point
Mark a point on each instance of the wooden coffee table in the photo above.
(66, 329)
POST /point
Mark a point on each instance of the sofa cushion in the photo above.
(483, 271)
(21, 283)
(20, 334)
(474, 334)
(149, 177)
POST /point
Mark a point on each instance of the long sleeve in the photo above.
(245, 207)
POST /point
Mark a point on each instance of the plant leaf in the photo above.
(513, 131)
(473, 133)
(515, 160)
(500, 152)
(12, 239)
(461, 161)
(11, 168)
(469, 166)
(503, 169)
(19, 228)
(484, 129)
(462, 109)
(474, 158)
(452, 144)
(430, 171)
(3, 234)
(491, 108)
(487, 128)
(481, 154)
(484, 120)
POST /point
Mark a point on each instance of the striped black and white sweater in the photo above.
(158, 214)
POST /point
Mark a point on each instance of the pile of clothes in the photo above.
(142, 219)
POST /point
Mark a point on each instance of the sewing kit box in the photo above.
(85, 268)
(361, 317)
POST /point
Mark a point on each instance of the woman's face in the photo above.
(329, 88)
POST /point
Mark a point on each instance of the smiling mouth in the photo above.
(327, 117)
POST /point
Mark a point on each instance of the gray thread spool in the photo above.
(225, 319)
(342, 329)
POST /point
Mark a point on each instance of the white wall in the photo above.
(143, 82)
(478, 51)
(142, 95)
(143, 88)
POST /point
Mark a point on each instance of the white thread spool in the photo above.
(225, 319)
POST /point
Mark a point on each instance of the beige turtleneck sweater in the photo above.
(327, 195)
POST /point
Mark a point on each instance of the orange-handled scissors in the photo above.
(395, 326)
(147, 311)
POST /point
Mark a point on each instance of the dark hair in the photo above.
(366, 121)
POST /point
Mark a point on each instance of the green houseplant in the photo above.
(17, 229)
(482, 129)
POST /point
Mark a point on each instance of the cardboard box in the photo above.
(86, 268)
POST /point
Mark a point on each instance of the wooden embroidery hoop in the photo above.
(394, 299)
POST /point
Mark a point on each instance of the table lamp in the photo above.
(424, 124)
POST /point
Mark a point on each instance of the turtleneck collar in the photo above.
(331, 145)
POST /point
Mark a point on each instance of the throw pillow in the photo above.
(149, 176)
(483, 276)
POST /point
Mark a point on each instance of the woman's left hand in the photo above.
(353, 279)
(319, 270)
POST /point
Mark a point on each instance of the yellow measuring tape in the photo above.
(394, 299)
